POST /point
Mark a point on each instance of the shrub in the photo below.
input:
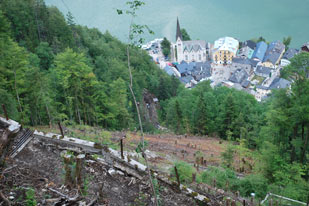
(253, 184)
(185, 171)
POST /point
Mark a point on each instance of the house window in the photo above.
(186, 57)
(200, 57)
(193, 56)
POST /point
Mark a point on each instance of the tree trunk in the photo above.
(303, 156)
(293, 155)
(77, 110)
(17, 96)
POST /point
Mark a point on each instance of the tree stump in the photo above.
(68, 171)
(78, 170)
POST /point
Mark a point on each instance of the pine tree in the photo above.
(201, 116)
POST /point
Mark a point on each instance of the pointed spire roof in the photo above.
(178, 31)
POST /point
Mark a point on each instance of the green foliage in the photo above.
(185, 35)
(30, 197)
(228, 156)
(287, 42)
(166, 47)
(185, 171)
(141, 145)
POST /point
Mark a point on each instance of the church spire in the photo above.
(178, 31)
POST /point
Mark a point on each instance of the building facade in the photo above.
(224, 50)
(189, 51)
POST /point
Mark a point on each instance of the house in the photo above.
(189, 51)
(273, 54)
(239, 76)
(247, 64)
(172, 71)
(225, 50)
(259, 51)
(261, 92)
(245, 84)
(201, 71)
(188, 81)
(247, 49)
(280, 83)
(263, 71)
(289, 54)
(185, 68)
(305, 47)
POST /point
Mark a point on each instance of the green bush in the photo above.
(253, 184)
(185, 171)
(221, 175)
(30, 200)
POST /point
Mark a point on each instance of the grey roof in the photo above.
(274, 52)
(290, 53)
(169, 70)
(262, 87)
(245, 83)
(186, 79)
(279, 83)
(249, 43)
(194, 45)
(263, 70)
(239, 76)
(185, 68)
(201, 70)
(251, 62)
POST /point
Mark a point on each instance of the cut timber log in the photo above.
(11, 129)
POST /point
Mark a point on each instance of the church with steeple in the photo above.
(189, 51)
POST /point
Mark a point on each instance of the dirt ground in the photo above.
(169, 148)
(40, 167)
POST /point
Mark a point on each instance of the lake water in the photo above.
(203, 19)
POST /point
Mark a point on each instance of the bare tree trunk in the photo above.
(77, 109)
(17, 95)
(304, 149)
(139, 116)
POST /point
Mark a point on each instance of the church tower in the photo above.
(178, 31)
(178, 49)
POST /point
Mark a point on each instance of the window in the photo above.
(200, 57)
(186, 57)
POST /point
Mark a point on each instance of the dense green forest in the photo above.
(54, 70)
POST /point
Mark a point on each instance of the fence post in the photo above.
(271, 202)
(193, 177)
(244, 202)
(214, 183)
(252, 201)
(177, 176)
(60, 127)
(228, 200)
(121, 148)
(5, 112)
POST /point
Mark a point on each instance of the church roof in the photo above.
(178, 31)
(194, 45)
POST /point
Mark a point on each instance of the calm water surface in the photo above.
(203, 19)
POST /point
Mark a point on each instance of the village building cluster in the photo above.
(248, 66)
